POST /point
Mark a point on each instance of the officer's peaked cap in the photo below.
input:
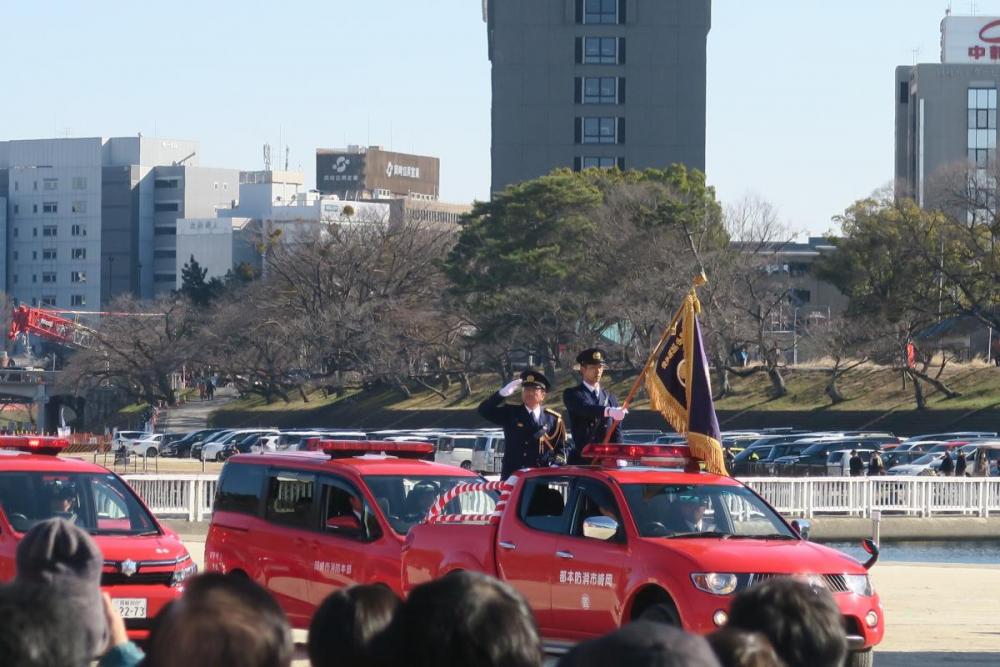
(533, 377)
(592, 356)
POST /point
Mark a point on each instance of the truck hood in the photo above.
(714, 554)
(145, 548)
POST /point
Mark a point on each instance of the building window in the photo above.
(17, 186)
(79, 253)
(48, 253)
(79, 207)
(600, 162)
(48, 300)
(77, 300)
(34, 255)
(599, 90)
(50, 184)
(167, 207)
(982, 126)
(79, 183)
(165, 277)
(166, 183)
(600, 11)
(78, 276)
(34, 208)
(600, 50)
(50, 230)
(164, 231)
(599, 130)
(48, 277)
(78, 230)
(165, 254)
(50, 207)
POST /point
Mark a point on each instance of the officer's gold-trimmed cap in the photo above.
(532, 377)
(593, 356)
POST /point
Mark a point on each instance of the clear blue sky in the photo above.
(800, 92)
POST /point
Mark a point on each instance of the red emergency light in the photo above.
(659, 456)
(36, 444)
(348, 448)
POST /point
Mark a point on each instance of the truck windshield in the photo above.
(405, 499)
(665, 510)
(101, 504)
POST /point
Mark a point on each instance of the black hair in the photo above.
(344, 625)
(464, 619)
(802, 622)
(224, 620)
(643, 643)
(740, 648)
(38, 629)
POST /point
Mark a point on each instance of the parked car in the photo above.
(921, 466)
(197, 448)
(212, 450)
(122, 438)
(951, 435)
(456, 449)
(894, 458)
(640, 436)
(811, 462)
(181, 448)
(487, 452)
(147, 446)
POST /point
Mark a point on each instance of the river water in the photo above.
(963, 552)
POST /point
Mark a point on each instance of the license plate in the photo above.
(131, 607)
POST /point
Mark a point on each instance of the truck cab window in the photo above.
(543, 504)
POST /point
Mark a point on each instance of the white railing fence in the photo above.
(192, 496)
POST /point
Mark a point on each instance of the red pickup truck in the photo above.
(593, 547)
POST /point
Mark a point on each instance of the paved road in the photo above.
(194, 414)
(937, 614)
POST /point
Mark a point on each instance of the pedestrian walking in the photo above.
(201, 390)
(857, 466)
(960, 464)
(947, 465)
(209, 388)
(982, 466)
(592, 410)
(875, 465)
(534, 436)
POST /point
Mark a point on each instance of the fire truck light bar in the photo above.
(661, 456)
(36, 444)
(344, 448)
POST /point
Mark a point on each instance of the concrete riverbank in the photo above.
(938, 614)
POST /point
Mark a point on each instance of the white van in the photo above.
(487, 453)
(456, 449)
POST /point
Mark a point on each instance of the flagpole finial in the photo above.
(699, 280)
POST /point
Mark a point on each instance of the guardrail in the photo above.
(907, 496)
(191, 496)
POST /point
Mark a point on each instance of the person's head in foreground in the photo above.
(464, 619)
(346, 623)
(643, 644)
(801, 621)
(739, 648)
(223, 620)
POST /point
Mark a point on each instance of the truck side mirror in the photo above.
(600, 527)
(803, 527)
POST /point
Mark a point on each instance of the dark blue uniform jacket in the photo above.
(587, 422)
(527, 444)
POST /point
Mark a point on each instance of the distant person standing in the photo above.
(875, 465)
(947, 465)
(996, 351)
(960, 464)
(209, 388)
(982, 467)
(857, 466)
(592, 410)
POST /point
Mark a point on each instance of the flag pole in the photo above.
(699, 280)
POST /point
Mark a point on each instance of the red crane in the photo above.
(50, 325)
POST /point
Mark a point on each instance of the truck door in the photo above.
(588, 586)
(526, 542)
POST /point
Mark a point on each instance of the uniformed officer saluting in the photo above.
(533, 436)
(591, 410)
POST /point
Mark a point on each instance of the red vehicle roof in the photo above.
(370, 464)
(642, 475)
(15, 460)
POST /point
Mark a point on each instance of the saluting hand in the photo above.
(511, 387)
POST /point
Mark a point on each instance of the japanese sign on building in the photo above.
(970, 39)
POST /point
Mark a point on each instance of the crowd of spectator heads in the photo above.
(53, 614)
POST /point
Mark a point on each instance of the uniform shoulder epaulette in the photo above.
(553, 413)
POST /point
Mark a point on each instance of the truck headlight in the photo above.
(183, 573)
(716, 583)
(859, 584)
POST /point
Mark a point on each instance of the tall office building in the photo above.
(91, 219)
(596, 83)
(946, 113)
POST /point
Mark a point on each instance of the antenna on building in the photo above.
(287, 151)
(267, 157)
(916, 53)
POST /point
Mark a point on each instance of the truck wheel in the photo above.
(662, 612)
(860, 659)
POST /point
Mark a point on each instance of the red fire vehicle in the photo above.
(593, 547)
(145, 564)
(304, 524)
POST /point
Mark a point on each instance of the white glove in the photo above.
(616, 414)
(511, 387)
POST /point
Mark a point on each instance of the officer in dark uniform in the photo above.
(591, 409)
(533, 435)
